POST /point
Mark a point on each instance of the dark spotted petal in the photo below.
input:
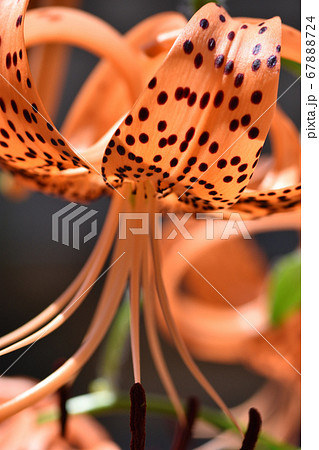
(211, 105)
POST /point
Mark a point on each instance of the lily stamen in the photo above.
(137, 417)
(253, 430)
(153, 340)
(184, 433)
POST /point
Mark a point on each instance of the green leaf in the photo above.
(197, 4)
(285, 288)
(112, 353)
(291, 66)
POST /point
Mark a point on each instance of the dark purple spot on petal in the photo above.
(219, 61)
(161, 126)
(130, 140)
(143, 114)
(256, 49)
(235, 160)
(172, 139)
(203, 138)
(183, 147)
(129, 120)
(245, 120)
(239, 80)
(143, 138)
(213, 148)
(152, 83)
(234, 124)
(256, 97)
(173, 162)
(211, 44)
(255, 65)
(203, 167)
(179, 93)
(162, 142)
(192, 99)
(198, 61)
(204, 24)
(218, 100)
(253, 133)
(204, 100)
(271, 61)
(241, 178)
(229, 67)
(162, 98)
(242, 168)
(222, 163)
(190, 134)
(233, 103)
(8, 60)
(188, 47)
(192, 161)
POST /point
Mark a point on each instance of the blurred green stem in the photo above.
(105, 402)
(112, 354)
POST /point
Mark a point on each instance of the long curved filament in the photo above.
(79, 289)
(81, 280)
(178, 341)
(107, 306)
(153, 340)
(135, 247)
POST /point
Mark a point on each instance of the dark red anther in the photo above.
(184, 434)
(254, 426)
(137, 417)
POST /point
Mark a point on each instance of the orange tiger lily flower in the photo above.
(24, 431)
(193, 139)
(219, 323)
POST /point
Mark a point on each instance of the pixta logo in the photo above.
(233, 225)
(68, 221)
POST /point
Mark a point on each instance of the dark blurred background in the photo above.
(34, 270)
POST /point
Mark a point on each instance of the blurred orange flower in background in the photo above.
(24, 430)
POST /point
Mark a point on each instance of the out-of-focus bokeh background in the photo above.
(34, 270)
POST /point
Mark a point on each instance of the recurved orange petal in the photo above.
(29, 141)
(291, 39)
(104, 98)
(275, 186)
(30, 145)
(205, 114)
(279, 190)
(50, 83)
